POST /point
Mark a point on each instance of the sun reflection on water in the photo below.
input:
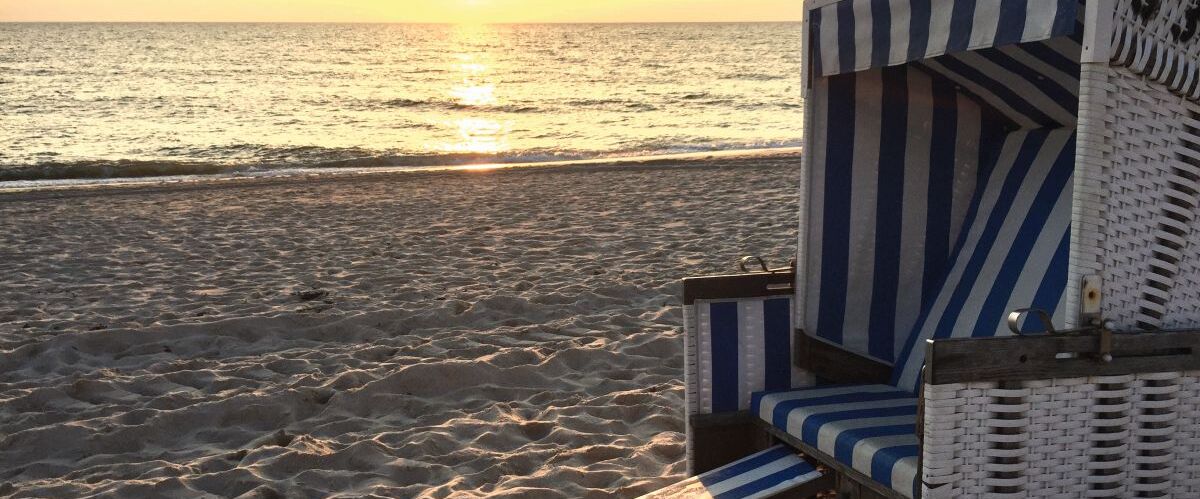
(480, 135)
(478, 93)
(472, 94)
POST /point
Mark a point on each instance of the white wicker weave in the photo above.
(691, 373)
(1150, 45)
(1116, 436)
(1136, 199)
(1134, 224)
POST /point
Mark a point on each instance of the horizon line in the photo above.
(447, 23)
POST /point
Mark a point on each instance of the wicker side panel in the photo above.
(1183, 308)
(1054, 448)
(691, 377)
(1136, 199)
(1153, 428)
(1187, 461)
(1116, 436)
(1092, 164)
(1153, 39)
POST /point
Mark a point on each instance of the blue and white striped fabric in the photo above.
(884, 206)
(1032, 85)
(870, 428)
(894, 159)
(764, 474)
(855, 35)
(1014, 252)
(742, 346)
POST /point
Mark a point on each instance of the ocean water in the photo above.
(120, 100)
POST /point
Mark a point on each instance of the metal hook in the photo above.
(747, 259)
(1015, 319)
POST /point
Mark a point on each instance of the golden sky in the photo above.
(450, 11)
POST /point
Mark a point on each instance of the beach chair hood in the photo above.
(910, 106)
(855, 35)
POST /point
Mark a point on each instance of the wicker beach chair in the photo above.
(998, 275)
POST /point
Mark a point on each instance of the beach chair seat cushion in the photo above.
(763, 474)
(870, 428)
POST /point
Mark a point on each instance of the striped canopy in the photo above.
(854, 35)
(919, 103)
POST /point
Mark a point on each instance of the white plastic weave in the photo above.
(1116, 436)
(1135, 213)
(1151, 42)
(691, 373)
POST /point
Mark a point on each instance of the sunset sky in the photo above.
(442, 11)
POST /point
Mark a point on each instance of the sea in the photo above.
(110, 100)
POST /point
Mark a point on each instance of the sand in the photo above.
(508, 333)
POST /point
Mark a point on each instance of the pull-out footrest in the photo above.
(765, 474)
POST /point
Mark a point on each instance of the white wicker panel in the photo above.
(702, 336)
(1187, 439)
(1088, 207)
(1152, 42)
(1136, 199)
(691, 377)
(1183, 308)
(1152, 432)
(1115, 436)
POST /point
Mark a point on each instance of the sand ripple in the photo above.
(508, 334)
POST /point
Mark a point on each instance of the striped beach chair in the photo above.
(997, 283)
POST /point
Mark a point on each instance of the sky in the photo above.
(438, 11)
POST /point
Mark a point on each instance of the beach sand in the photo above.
(512, 332)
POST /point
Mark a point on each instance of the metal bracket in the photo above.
(747, 259)
(1104, 352)
(762, 264)
(1103, 330)
(1090, 296)
(1016, 317)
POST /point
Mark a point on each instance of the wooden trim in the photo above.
(1066, 355)
(723, 287)
(836, 365)
(827, 460)
(702, 421)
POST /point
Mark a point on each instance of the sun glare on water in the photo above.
(479, 130)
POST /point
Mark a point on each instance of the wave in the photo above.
(755, 77)
(550, 106)
(448, 105)
(108, 169)
(257, 158)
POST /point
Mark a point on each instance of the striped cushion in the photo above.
(853, 35)
(742, 346)
(1013, 253)
(764, 474)
(870, 428)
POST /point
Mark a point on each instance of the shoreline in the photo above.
(314, 174)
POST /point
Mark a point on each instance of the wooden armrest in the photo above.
(1064, 355)
(833, 364)
(723, 287)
